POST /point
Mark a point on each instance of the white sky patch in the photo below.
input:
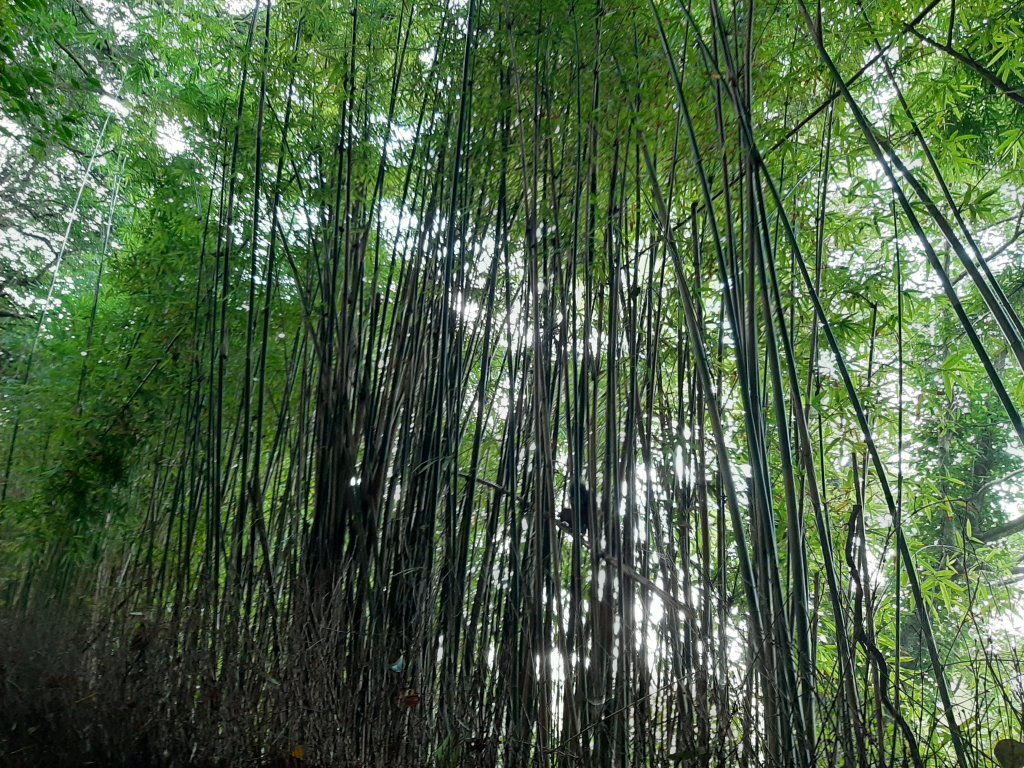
(171, 138)
(7, 143)
(1011, 621)
(114, 105)
(238, 7)
(120, 18)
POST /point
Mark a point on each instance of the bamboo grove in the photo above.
(548, 382)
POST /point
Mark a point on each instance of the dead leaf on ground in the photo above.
(409, 699)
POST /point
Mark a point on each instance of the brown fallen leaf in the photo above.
(1009, 753)
(295, 758)
(409, 699)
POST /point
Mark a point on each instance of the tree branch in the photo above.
(1002, 531)
(1014, 94)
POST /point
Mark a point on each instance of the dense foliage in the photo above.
(555, 382)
